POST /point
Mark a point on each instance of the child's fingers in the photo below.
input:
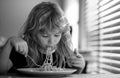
(22, 48)
(19, 44)
(77, 62)
(77, 65)
(25, 49)
(76, 53)
(16, 47)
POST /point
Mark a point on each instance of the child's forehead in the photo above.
(55, 30)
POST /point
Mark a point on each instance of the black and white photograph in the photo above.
(60, 38)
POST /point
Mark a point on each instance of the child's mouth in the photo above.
(51, 49)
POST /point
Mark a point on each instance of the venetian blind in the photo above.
(104, 33)
(109, 29)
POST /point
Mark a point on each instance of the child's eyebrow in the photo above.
(59, 32)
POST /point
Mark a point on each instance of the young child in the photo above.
(45, 27)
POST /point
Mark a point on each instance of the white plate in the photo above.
(33, 71)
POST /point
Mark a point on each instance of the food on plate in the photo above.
(47, 65)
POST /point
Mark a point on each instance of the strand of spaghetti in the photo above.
(47, 65)
(48, 59)
(33, 60)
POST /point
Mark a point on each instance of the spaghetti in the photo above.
(48, 63)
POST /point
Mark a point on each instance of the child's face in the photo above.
(49, 38)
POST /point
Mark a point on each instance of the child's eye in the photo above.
(44, 35)
(57, 35)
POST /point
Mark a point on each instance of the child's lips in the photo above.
(52, 47)
(50, 50)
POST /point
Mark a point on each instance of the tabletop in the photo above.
(64, 76)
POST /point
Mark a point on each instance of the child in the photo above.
(45, 27)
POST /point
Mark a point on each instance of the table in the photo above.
(69, 76)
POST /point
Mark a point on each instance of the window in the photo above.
(71, 8)
(102, 20)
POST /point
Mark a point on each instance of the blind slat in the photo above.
(109, 42)
(110, 23)
(108, 5)
(110, 29)
(109, 54)
(102, 2)
(105, 67)
(109, 48)
(110, 17)
(109, 35)
(109, 11)
(109, 61)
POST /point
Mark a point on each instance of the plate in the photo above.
(35, 71)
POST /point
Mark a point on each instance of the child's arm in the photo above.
(20, 46)
(5, 63)
(78, 62)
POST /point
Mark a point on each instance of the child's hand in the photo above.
(19, 44)
(78, 60)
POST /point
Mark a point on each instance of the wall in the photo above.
(13, 14)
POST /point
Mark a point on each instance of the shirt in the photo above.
(19, 61)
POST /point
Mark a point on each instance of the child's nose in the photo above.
(51, 41)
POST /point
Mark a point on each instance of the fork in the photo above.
(32, 60)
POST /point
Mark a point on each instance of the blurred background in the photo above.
(95, 29)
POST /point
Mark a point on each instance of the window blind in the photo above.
(109, 30)
(103, 23)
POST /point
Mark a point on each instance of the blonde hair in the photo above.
(49, 16)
